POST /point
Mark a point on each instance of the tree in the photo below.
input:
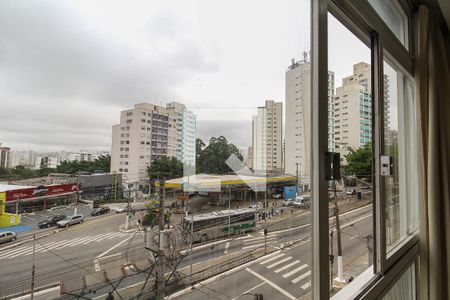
(359, 162)
(211, 159)
(165, 167)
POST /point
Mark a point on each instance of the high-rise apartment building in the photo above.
(148, 132)
(182, 133)
(267, 137)
(298, 117)
(5, 157)
(353, 109)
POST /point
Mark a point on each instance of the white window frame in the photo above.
(361, 19)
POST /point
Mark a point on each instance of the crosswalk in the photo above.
(252, 242)
(57, 245)
(289, 268)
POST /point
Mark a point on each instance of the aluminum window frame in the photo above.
(361, 19)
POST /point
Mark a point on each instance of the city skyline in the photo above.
(221, 83)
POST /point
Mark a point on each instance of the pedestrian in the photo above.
(292, 211)
(276, 211)
(281, 211)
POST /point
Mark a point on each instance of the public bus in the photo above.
(215, 225)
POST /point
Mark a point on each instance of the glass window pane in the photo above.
(401, 187)
(405, 287)
(394, 17)
(350, 127)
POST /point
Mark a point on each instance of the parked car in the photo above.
(121, 209)
(71, 220)
(51, 221)
(7, 236)
(302, 202)
(351, 192)
(288, 202)
(277, 196)
(100, 210)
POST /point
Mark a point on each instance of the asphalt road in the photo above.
(284, 274)
(71, 254)
(66, 254)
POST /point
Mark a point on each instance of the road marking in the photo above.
(55, 245)
(248, 291)
(279, 262)
(306, 285)
(271, 283)
(92, 239)
(112, 248)
(106, 235)
(287, 266)
(294, 271)
(303, 276)
(226, 247)
(252, 246)
(272, 258)
(74, 242)
(96, 265)
(260, 238)
(256, 242)
(19, 252)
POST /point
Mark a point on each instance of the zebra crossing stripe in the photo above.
(18, 252)
(92, 239)
(294, 271)
(306, 285)
(303, 276)
(279, 262)
(287, 266)
(255, 242)
(73, 242)
(107, 235)
(272, 258)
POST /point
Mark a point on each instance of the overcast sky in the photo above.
(67, 68)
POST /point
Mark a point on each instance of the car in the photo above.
(255, 206)
(71, 220)
(121, 209)
(351, 192)
(277, 196)
(51, 221)
(302, 202)
(288, 202)
(7, 236)
(100, 210)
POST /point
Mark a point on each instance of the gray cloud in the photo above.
(64, 81)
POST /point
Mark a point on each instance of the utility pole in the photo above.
(160, 267)
(340, 276)
(33, 270)
(265, 240)
(75, 211)
(296, 184)
(229, 211)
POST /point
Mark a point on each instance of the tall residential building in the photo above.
(5, 157)
(298, 117)
(267, 137)
(353, 109)
(148, 132)
(182, 133)
(249, 160)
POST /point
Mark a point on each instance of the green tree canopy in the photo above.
(211, 159)
(359, 162)
(165, 167)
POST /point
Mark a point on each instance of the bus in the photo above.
(215, 225)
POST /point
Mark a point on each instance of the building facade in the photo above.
(298, 120)
(149, 132)
(267, 137)
(5, 157)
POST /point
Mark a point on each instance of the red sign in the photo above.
(40, 191)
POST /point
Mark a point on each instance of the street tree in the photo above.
(165, 167)
(359, 162)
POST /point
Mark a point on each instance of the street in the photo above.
(98, 244)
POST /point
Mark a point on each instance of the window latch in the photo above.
(386, 165)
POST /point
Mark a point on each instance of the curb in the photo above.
(126, 231)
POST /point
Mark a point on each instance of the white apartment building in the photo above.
(267, 137)
(298, 117)
(148, 132)
(182, 133)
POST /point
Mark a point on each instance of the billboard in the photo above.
(40, 191)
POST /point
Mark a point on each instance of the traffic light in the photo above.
(259, 297)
